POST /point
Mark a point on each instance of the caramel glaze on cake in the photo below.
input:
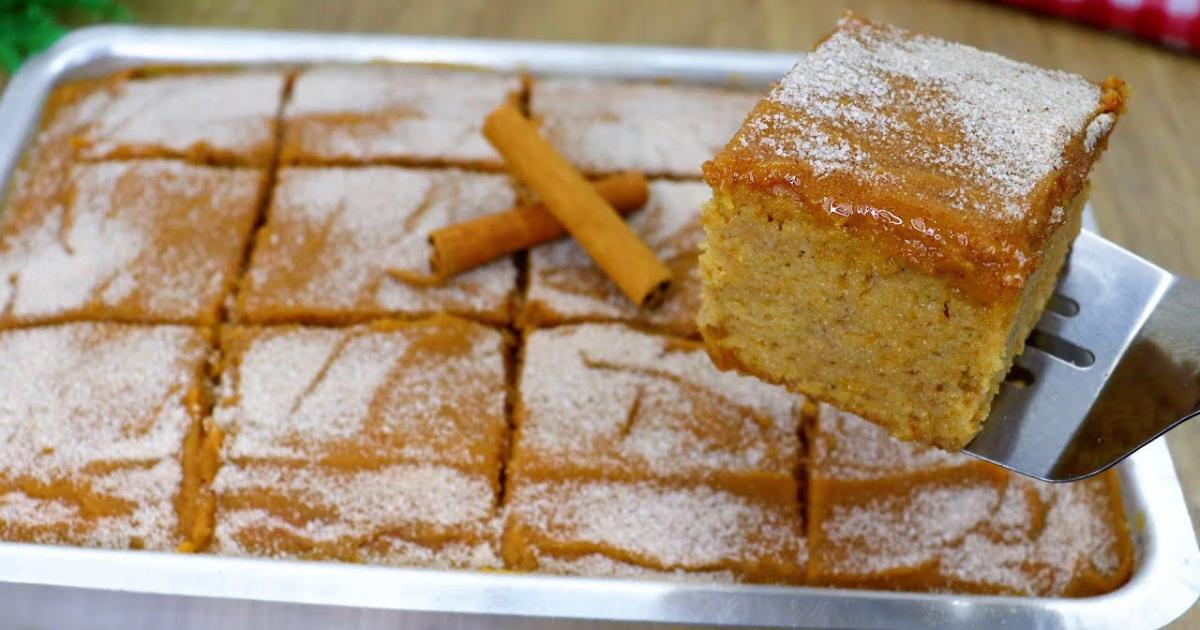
(958, 176)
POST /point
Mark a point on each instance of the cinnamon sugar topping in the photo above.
(873, 94)
(385, 441)
(92, 423)
(397, 113)
(605, 400)
(605, 126)
(225, 117)
(334, 235)
(123, 244)
(664, 529)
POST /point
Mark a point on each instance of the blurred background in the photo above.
(1146, 189)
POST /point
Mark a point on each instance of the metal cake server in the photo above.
(1113, 363)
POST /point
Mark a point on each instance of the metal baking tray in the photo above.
(63, 587)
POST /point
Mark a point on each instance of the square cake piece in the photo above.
(399, 114)
(658, 129)
(375, 443)
(886, 514)
(343, 245)
(889, 222)
(100, 435)
(565, 285)
(140, 241)
(619, 527)
(227, 118)
(604, 401)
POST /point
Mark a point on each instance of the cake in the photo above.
(150, 241)
(212, 117)
(397, 114)
(658, 129)
(350, 244)
(886, 514)
(565, 285)
(604, 401)
(100, 429)
(376, 443)
(621, 526)
(889, 222)
(633, 456)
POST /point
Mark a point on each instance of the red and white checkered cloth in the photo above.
(1175, 23)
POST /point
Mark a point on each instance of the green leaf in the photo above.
(30, 26)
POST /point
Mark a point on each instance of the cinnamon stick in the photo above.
(464, 246)
(575, 204)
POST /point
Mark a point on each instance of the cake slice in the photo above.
(888, 224)
(886, 514)
(698, 533)
(146, 241)
(345, 245)
(100, 436)
(210, 117)
(604, 401)
(376, 443)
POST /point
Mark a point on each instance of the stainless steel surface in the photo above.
(1115, 364)
(59, 587)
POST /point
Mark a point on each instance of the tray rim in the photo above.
(1166, 579)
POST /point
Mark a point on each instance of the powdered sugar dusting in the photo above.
(100, 409)
(845, 446)
(367, 509)
(873, 95)
(379, 443)
(665, 529)
(565, 285)
(115, 249)
(1097, 129)
(606, 399)
(977, 530)
(303, 394)
(393, 112)
(231, 114)
(604, 126)
(333, 235)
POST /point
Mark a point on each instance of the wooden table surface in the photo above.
(1146, 189)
